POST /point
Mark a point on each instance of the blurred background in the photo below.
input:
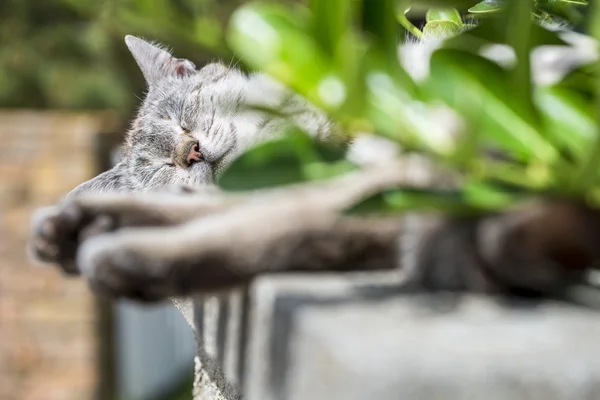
(68, 90)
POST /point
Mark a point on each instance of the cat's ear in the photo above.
(157, 63)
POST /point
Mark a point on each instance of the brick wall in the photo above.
(47, 324)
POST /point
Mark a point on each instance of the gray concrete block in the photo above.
(273, 303)
(332, 337)
(211, 319)
(234, 332)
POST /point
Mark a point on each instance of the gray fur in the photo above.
(173, 244)
(151, 247)
(213, 108)
(210, 107)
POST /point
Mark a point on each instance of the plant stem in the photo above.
(589, 167)
(518, 37)
(408, 25)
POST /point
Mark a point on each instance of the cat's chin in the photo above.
(200, 173)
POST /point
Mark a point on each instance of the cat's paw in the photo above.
(115, 267)
(541, 247)
(153, 263)
(56, 233)
(42, 244)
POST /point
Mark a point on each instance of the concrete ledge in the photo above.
(217, 324)
(353, 337)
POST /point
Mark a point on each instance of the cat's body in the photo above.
(193, 123)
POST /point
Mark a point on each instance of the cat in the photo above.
(194, 122)
(168, 245)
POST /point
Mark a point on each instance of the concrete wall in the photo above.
(353, 337)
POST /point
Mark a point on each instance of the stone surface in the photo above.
(332, 337)
(217, 332)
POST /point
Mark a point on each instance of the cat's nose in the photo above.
(194, 153)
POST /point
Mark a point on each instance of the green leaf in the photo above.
(530, 178)
(427, 4)
(483, 196)
(473, 198)
(496, 30)
(542, 3)
(589, 168)
(380, 23)
(395, 201)
(274, 40)
(476, 88)
(441, 29)
(567, 119)
(518, 16)
(207, 32)
(570, 11)
(394, 113)
(487, 6)
(444, 14)
(293, 158)
(582, 80)
(401, 17)
(330, 21)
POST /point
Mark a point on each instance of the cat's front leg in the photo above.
(53, 238)
(56, 232)
(218, 252)
(539, 249)
(542, 247)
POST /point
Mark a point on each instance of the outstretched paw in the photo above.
(118, 265)
(56, 233)
(151, 264)
(540, 248)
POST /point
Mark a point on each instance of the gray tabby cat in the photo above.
(193, 123)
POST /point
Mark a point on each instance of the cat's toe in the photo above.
(56, 233)
(46, 243)
(115, 269)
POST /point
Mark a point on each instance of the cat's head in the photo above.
(187, 120)
(188, 126)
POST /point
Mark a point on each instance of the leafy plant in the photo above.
(70, 53)
(548, 135)
(342, 56)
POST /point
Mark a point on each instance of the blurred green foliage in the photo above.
(342, 56)
(71, 54)
(294, 157)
